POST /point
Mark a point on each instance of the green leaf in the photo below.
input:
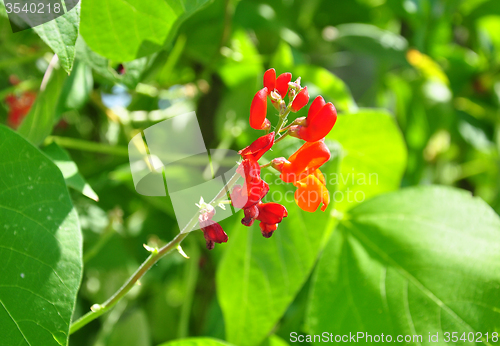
(196, 342)
(69, 170)
(126, 30)
(133, 69)
(40, 247)
(420, 260)
(43, 115)
(243, 60)
(60, 35)
(321, 81)
(374, 156)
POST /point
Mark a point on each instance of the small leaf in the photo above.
(69, 170)
(40, 247)
(413, 262)
(60, 35)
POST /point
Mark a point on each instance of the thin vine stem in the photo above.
(156, 254)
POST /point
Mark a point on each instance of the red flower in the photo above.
(249, 194)
(282, 83)
(312, 192)
(258, 111)
(258, 148)
(19, 107)
(251, 214)
(250, 170)
(270, 215)
(254, 188)
(212, 231)
(303, 162)
(270, 80)
(319, 122)
(300, 100)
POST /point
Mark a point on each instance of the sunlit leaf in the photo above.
(40, 247)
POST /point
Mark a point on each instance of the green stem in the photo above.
(145, 266)
(99, 309)
(80, 144)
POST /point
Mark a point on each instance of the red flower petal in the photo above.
(271, 213)
(270, 80)
(258, 148)
(304, 161)
(300, 100)
(282, 83)
(258, 110)
(320, 125)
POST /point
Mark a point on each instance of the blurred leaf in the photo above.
(422, 260)
(283, 58)
(69, 170)
(60, 34)
(77, 88)
(40, 247)
(243, 61)
(43, 115)
(196, 342)
(321, 81)
(428, 67)
(275, 340)
(131, 330)
(373, 156)
(133, 69)
(126, 31)
(371, 40)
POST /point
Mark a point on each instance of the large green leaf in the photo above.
(420, 260)
(258, 278)
(196, 342)
(124, 30)
(40, 247)
(60, 35)
(374, 156)
(43, 115)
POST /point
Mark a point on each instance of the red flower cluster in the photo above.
(301, 169)
(249, 196)
(19, 106)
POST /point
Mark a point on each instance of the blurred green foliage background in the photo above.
(434, 65)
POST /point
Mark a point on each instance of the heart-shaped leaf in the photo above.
(413, 262)
(40, 247)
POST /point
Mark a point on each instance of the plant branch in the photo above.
(156, 254)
